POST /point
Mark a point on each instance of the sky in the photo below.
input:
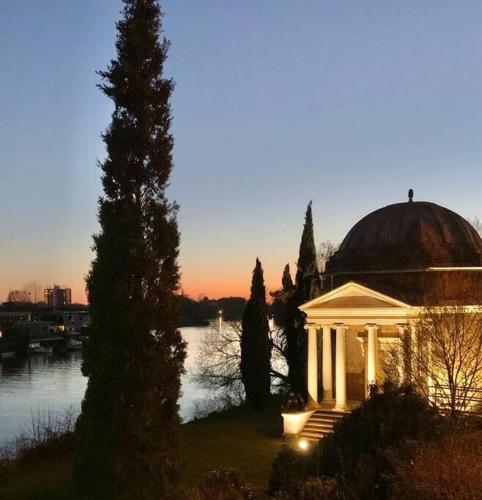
(347, 103)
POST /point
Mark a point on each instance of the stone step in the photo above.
(319, 425)
(331, 423)
(324, 418)
(313, 440)
(311, 435)
(335, 414)
(317, 431)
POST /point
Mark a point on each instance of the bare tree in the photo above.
(325, 250)
(441, 355)
(18, 296)
(219, 356)
(217, 363)
(477, 224)
(35, 290)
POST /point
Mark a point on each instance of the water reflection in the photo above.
(54, 383)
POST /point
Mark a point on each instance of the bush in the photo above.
(50, 436)
(450, 469)
(223, 484)
(358, 452)
(289, 472)
(292, 478)
(323, 489)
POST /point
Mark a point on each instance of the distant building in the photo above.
(33, 337)
(10, 318)
(75, 322)
(58, 297)
(18, 296)
(38, 330)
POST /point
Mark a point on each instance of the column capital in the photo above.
(371, 325)
(339, 326)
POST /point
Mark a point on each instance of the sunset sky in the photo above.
(348, 103)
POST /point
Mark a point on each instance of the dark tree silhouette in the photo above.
(127, 433)
(278, 307)
(307, 286)
(308, 279)
(255, 344)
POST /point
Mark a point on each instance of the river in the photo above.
(53, 383)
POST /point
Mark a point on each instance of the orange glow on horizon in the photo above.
(213, 290)
(197, 281)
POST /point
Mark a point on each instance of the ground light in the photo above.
(303, 444)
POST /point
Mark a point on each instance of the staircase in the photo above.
(320, 423)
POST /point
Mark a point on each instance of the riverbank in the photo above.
(239, 438)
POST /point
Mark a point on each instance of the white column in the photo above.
(340, 368)
(372, 355)
(312, 364)
(327, 365)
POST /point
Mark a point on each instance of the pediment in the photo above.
(354, 301)
(351, 296)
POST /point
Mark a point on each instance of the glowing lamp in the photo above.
(303, 444)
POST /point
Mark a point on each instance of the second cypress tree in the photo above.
(307, 287)
(255, 344)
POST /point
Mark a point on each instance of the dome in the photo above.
(411, 235)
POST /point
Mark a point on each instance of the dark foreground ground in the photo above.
(238, 438)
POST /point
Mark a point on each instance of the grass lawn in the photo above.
(239, 439)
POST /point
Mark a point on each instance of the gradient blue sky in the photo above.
(348, 103)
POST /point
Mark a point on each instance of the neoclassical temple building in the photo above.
(374, 287)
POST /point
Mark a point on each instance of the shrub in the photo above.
(359, 448)
(49, 436)
(289, 471)
(323, 489)
(358, 453)
(223, 484)
(292, 479)
(448, 469)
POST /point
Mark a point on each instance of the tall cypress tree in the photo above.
(307, 286)
(308, 279)
(255, 344)
(127, 433)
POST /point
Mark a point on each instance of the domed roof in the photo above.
(411, 235)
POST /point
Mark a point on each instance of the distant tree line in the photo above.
(199, 312)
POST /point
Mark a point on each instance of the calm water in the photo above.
(53, 383)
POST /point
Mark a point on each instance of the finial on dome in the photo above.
(410, 195)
